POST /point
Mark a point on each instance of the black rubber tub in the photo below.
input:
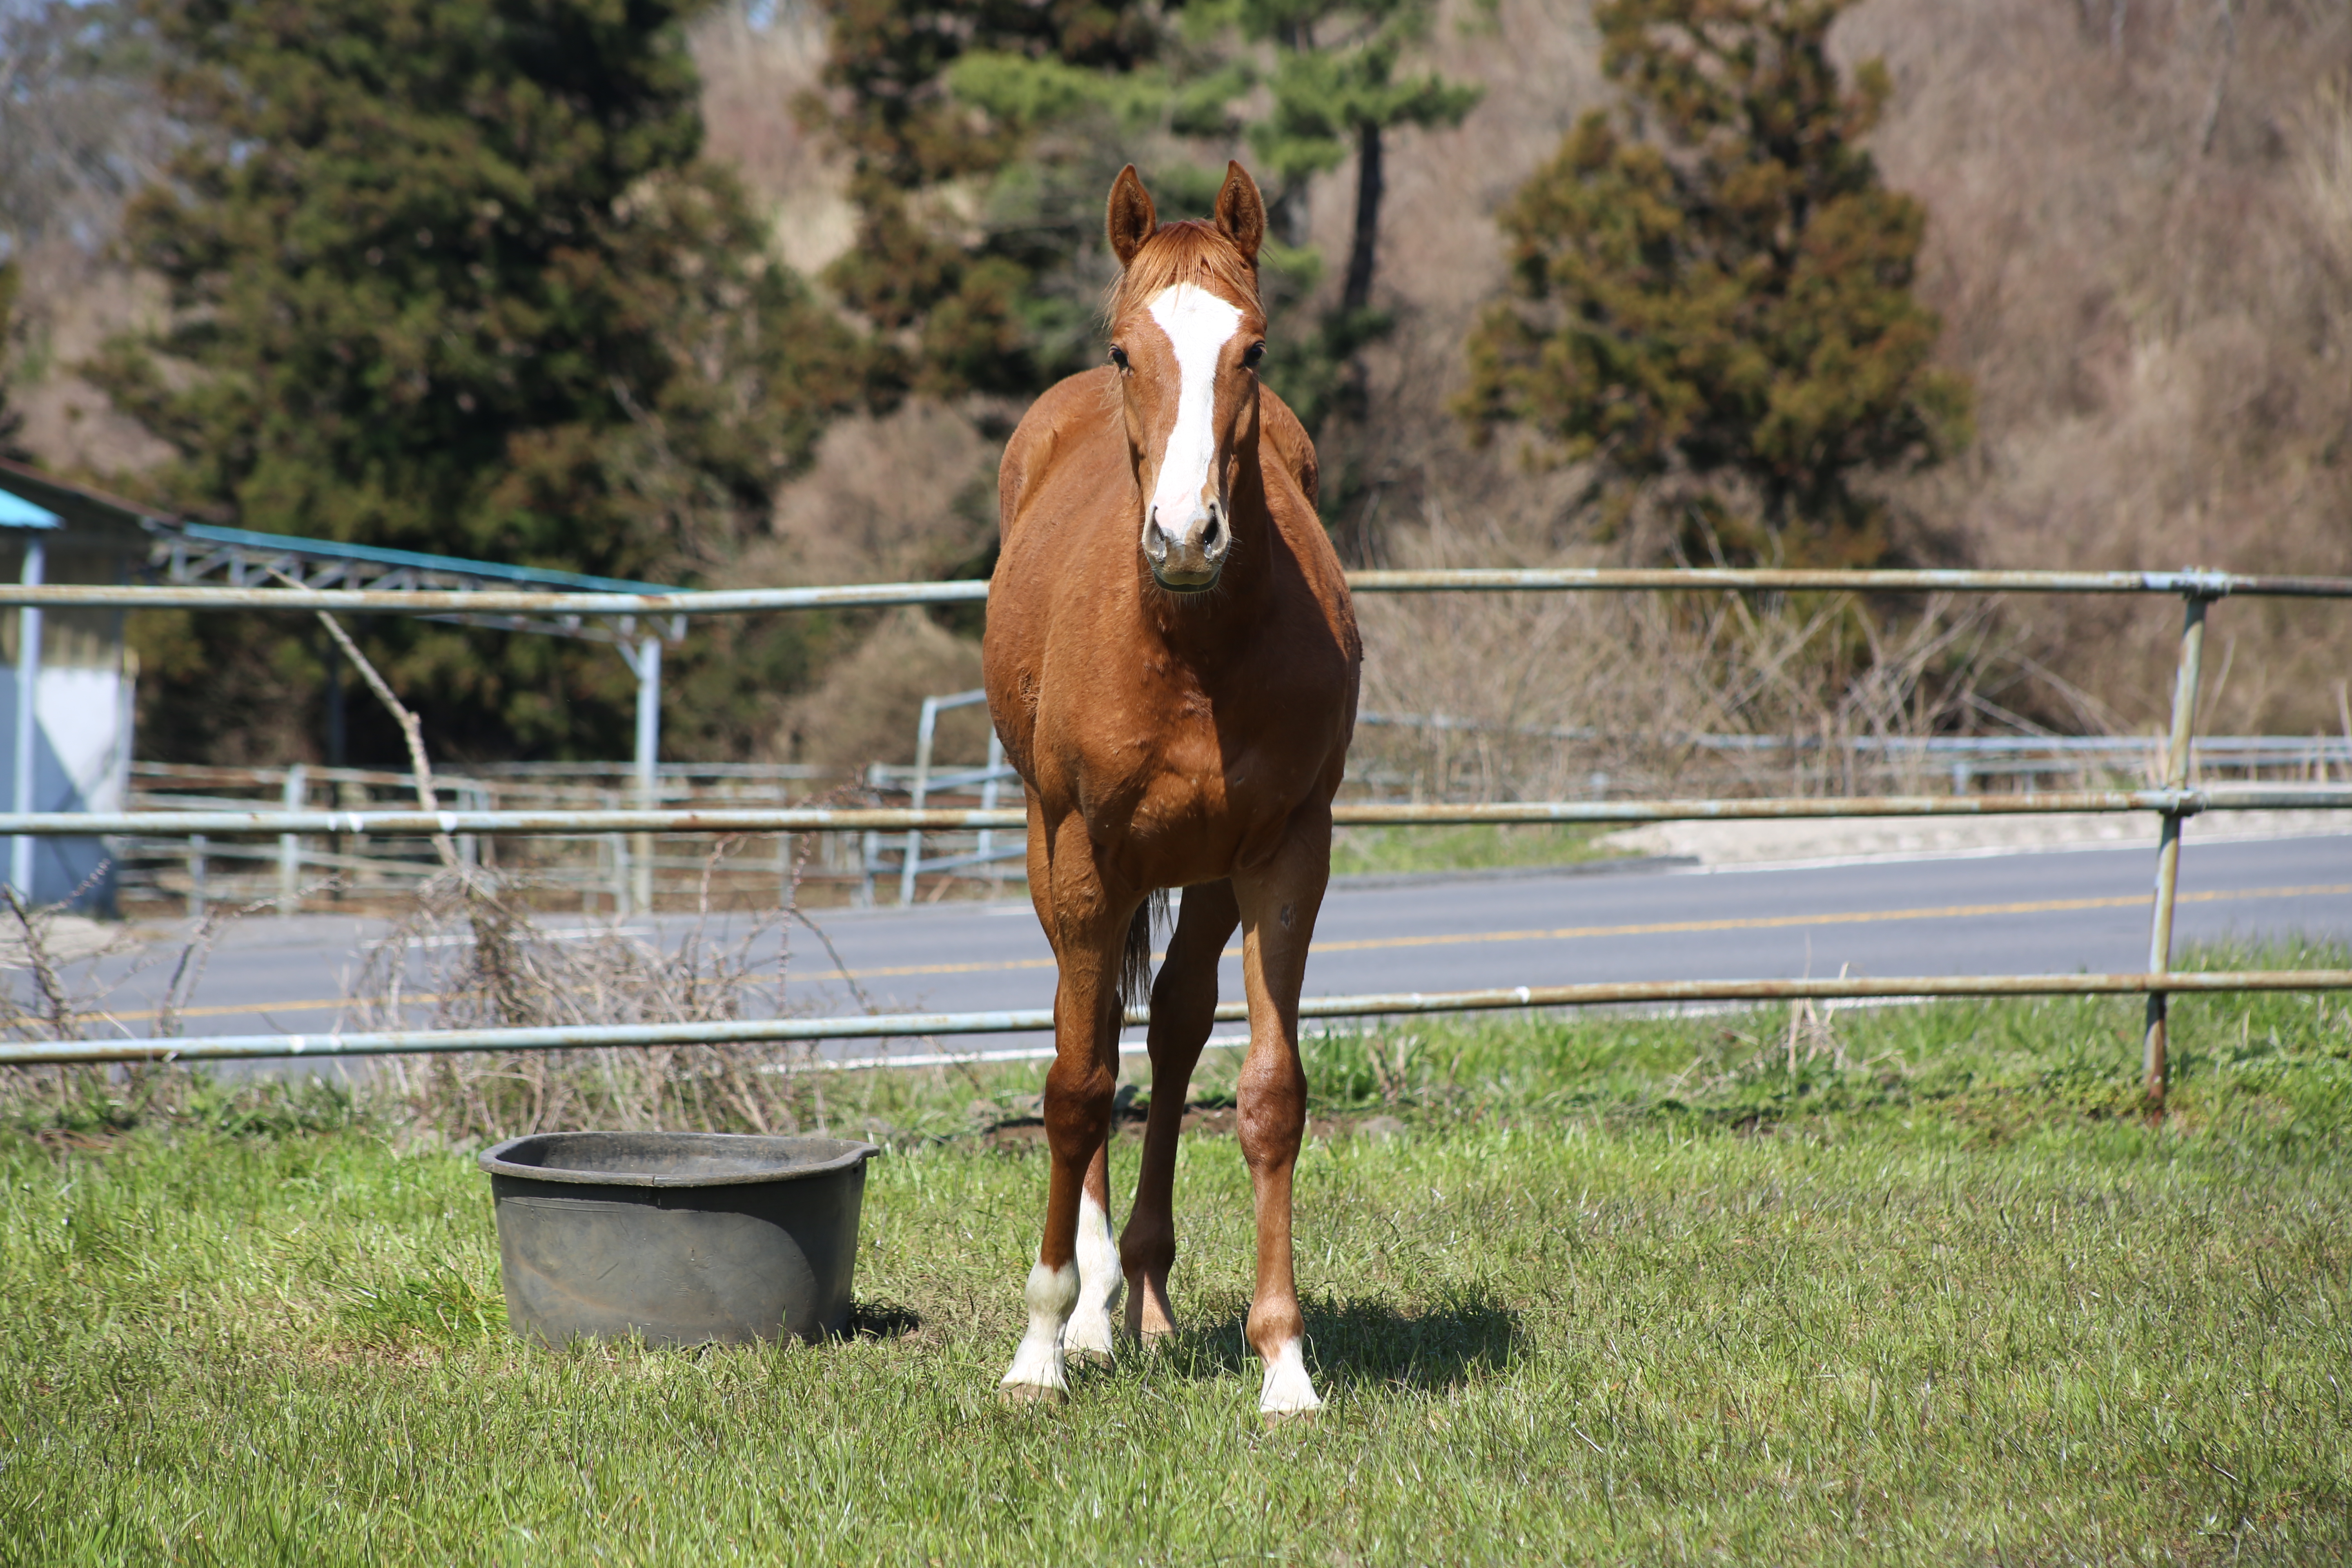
(685, 1238)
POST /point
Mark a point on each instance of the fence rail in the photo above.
(902, 1025)
(2172, 800)
(2189, 583)
(932, 819)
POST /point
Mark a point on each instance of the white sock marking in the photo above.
(1051, 1293)
(1288, 1390)
(1198, 325)
(1099, 1284)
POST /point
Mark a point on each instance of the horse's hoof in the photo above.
(1088, 1358)
(1033, 1394)
(1277, 1419)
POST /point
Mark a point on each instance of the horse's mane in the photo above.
(1189, 251)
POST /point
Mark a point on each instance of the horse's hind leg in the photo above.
(1184, 1008)
(1278, 905)
(1099, 1285)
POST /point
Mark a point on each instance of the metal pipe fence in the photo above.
(349, 871)
(1379, 1004)
(2191, 584)
(2179, 801)
(2173, 801)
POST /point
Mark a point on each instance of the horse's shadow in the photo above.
(1369, 1343)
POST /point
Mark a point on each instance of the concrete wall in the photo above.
(82, 763)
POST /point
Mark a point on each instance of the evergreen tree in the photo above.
(1712, 287)
(448, 275)
(1334, 91)
(939, 99)
(11, 422)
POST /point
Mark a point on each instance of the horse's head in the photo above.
(1186, 335)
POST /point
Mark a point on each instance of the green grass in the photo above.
(1622, 1291)
(1473, 846)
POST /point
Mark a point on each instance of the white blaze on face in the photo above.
(1198, 325)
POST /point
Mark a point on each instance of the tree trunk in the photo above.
(1357, 292)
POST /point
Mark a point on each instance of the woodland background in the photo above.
(2138, 240)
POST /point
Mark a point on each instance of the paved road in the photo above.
(2042, 910)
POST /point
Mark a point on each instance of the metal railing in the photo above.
(347, 871)
(2174, 801)
(350, 871)
(1967, 759)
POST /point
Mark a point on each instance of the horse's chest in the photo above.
(1167, 763)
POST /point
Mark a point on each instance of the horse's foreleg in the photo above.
(1088, 1330)
(1278, 906)
(1078, 1088)
(1183, 1009)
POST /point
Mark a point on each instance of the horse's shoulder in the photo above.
(1281, 432)
(1058, 425)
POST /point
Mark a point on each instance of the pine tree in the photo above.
(1712, 288)
(938, 99)
(984, 134)
(448, 275)
(1335, 92)
(11, 422)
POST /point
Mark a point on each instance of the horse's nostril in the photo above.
(1212, 541)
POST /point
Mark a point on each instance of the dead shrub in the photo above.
(1553, 696)
(53, 986)
(472, 951)
(2139, 243)
(865, 708)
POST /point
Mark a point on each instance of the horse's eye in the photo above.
(1251, 354)
(1118, 356)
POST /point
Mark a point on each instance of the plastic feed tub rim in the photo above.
(494, 1160)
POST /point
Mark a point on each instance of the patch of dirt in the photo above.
(61, 1141)
(414, 1355)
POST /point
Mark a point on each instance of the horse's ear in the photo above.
(1132, 219)
(1241, 211)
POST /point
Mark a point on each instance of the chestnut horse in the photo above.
(1171, 661)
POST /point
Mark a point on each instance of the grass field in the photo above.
(1618, 1290)
(1470, 846)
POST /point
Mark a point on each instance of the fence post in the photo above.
(196, 845)
(2154, 1065)
(29, 721)
(869, 846)
(289, 846)
(783, 854)
(469, 846)
(647, 663)
(924, 730)
(616, 847)
(988, 798)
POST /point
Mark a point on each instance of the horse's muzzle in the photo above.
(1189, 558)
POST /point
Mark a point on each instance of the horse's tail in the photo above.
(1135, 963)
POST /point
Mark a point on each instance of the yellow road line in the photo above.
(239, 1009)
(1556, 933)
(1855, 916)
